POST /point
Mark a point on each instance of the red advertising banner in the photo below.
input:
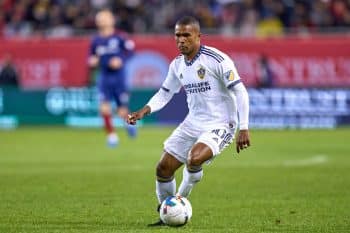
(48, 63)
(294, 62)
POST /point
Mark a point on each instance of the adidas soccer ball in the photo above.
(175, 211)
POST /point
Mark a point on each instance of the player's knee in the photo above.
(194, 160)
(105, 109)
(163, 171)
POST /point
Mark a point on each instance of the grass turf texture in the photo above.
(66, 180)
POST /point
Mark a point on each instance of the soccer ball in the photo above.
(175, 211)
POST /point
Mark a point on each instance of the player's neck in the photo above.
(189, 57)
(107, 32)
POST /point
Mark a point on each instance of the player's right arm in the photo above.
(170, 86)
(157, 102)
(93, 59)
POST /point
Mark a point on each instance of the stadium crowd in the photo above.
(61, 18)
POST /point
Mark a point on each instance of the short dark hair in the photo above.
(187, 20)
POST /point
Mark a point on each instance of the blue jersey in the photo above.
(106, 48)
(111, 82)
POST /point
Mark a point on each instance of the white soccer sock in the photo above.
(189, 179)
(165, 189)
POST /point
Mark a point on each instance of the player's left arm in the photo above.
(238, 92)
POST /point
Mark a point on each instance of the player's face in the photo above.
(104, 19)
(187, 39)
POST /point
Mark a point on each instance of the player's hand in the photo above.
(115, 63)
(93, 61)
(132, 118)
(135, 116)
(243, 140)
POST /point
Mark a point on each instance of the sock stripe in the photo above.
(194, 170)
(165, 179)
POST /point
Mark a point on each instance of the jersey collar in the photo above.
(189, 63)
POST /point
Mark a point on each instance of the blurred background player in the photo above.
(109, 51)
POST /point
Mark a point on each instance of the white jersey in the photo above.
(206, 80)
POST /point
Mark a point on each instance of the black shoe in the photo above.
(157, 224)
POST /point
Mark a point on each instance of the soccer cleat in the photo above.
(132, 131)
(112, 140)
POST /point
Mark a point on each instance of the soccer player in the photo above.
(216, 99)
(108, 53)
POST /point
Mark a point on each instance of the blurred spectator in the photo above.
(340, 12)
(320, 15)
(61, 18)
(270, 24)
(8, 73)
(249, 24)
(265, 74)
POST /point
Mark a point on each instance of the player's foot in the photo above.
(157, 224)
(132, 131)
(112, 140)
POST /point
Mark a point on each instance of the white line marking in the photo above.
(318, 159)
(302, 162)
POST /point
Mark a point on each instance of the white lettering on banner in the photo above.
(304, 122)
(297, 67)
(320, 70)
(42, 73)
(286, 102)
(345, 64)
(311, 71)
(296, 71)
(71, 100)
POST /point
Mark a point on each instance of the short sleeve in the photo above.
(171, 83)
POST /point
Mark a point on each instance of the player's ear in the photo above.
(199, 36)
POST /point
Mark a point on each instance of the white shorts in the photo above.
(180, 142)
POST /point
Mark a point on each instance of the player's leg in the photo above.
(176, 148)
(106, 112)
(165, 182)
(105, 96)
(123, 112)
(122, 100)
(208, 145)
(193, 172)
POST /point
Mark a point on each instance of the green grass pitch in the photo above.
(67, 180)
